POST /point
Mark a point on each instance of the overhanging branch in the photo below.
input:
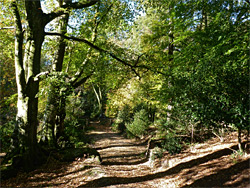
(81, 81)
(64, 9)
(79, 5)
(124, 62)
(10, 27)
(38, 76)
(103, 16)
(91, 45)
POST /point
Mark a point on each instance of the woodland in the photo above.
(165, 74)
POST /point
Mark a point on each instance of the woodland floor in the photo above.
(209, 164)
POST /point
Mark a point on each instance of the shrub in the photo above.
(74, 134)
(140, 123)
(124, 115)
(7, 121)
(157, 153)
(5, 135)
(172, 143)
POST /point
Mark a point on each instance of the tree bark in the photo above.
(27, 105)
(27, 69)
(239, 140)
(99, 98)
(20, 77)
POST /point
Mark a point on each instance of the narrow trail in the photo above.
(117, 150)
(124, 164)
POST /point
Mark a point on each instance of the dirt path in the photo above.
(203, 165)
(117, 150)
(210, 164)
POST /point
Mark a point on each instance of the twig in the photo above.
(38, 76)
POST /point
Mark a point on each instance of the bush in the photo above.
(124, 115)
(172, 143)
(6, 131)
(140, 123)
(157, 153)
(8, 112)
(74, 134)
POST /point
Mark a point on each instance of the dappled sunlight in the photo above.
(182, 169)
(124, 93)
(125, 165)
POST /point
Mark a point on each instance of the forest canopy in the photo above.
(177, 67)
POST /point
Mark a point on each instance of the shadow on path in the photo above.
(107, 163)
(123, 145)
(63, 174)
(221, 177)
(101, 135)
(124, 156)
(107, 181)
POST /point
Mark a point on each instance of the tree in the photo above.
(30, 32)
(188, 50)
(54, 114)
(203, 65)
(7, 78)
(82, 65)
(27, 65)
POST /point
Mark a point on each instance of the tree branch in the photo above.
(38, 76)
(81, 81)
(64, 9)
(21, 84)
(79, 5)
(124, 62)
(93, 38)
(103, 16)
(11, 27)
(91, 45)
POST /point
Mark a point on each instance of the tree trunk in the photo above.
(192, 134)
(75, 81)
(25, 134)
(27, 74)
(246, 145)
(239, 139)
(59, 63)
(61, 118)
(99, 98)
(28, 100)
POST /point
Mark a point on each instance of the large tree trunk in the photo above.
(27, 74)
(25, 134)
